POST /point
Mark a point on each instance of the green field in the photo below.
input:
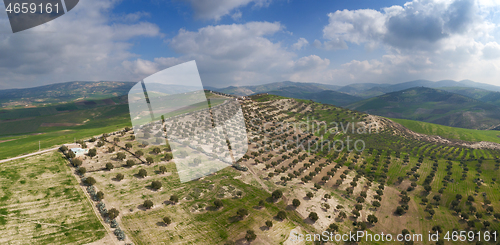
(450, 132)
(42, 203)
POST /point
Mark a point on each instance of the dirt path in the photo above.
(29, 155)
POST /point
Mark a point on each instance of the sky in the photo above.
(250, 42)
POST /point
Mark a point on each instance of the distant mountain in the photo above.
(368, 90)
(265, 88)
(432, 105)
(316, 94)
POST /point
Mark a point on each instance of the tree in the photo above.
(156, 185)
(139, 153)
(89, 181)
(376, 204)
(92, 152)
(250, 236)
(167, 220)
(313, 216)
(70, 155)
(218, 204)
(296, 202)
(148, 204)
(156, 150)
(281, 215)
(111, 149)
(120, 156)
(142, 173)
(150, 160)
(333, 227)
(372, 219)
(269, 224)
(81, 170)
(63, 149)
(128, 146)
(310, 195)
(471, 223)
(76, 162)
(242, 212)
(116, 140)
(99, 195)
(113, 213)
(174, 198)
(400, 210)
(130, 163)
(119, 177)
(470, 198)
(109, 166)
(277, 194)
(163, 169)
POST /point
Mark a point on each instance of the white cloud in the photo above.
(302, 42)
(237, 54)
(216, 9)
(81, 45)
(430, 39)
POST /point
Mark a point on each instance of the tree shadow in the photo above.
(234, 219)
(264, 228)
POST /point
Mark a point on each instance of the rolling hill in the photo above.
(63, 92)
(265, 88)
(312, 93)
(432, 105)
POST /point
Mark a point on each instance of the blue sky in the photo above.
(248, 42)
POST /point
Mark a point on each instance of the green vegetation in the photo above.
(34, 190)
(450, 132)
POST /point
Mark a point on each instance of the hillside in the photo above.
(312, 93)
(63, 92)
(432, 105)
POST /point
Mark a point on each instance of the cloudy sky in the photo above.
(248, 42)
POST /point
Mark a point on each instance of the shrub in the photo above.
(142, 173)
(120, 156)
(110, 166)
(113, 213)
(174, 198)
(277, 194)
(167, 220)
(81, 170)
(76, 162)
(242, 212)
(250, 236)
(130, 163)
(89, 181)
(313, 216)
(269, 224)
(281, 215)
(218, 203)
(148, 204)
(119, 177)
(156, 185)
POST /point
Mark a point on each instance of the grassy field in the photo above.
(450, 132)
(34, 192)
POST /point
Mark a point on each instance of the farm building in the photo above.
(79, 151)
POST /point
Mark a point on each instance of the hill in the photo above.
(265, 88)
(432, 105)
(318, 95)
(63, 92)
